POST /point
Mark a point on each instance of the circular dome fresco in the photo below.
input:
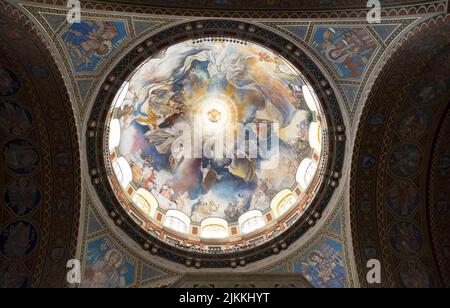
(211, 150)
(214, 142)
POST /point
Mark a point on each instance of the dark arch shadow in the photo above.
(40, 164)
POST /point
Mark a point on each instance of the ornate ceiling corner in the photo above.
(385, 30)
(325, 252)
(31, 22)
(293, 10)
(100, 246)
(350, 73)
(390, 44)
(83, 62)
(108, 88)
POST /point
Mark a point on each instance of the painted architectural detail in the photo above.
(92, 41)
(347, 50)
(55, 21)
(323, 261)
(84, 85)
(384, 31)
(404, 110)
(351, 94)
(93, 224)
(298, 30)
(142, 26)
(104, 256)
(323, 265)
(107, 266)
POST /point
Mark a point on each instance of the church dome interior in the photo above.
(223, 144)
(221, 191)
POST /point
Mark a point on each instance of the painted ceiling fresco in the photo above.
(108, 264)
(211, 89)
(232, 201)
(90, 42)
(350, 51)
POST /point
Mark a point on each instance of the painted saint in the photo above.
(108, 272)
(348, 49)
(91, 41)
(323, 266)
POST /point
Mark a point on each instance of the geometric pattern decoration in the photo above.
(150, 273)
(439, 209)
(336, 226)
(93, 225)
(84, 86)
(280, 269)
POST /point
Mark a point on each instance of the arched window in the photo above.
(283, 202)
(315, 137)
(214, 228)
(114, 134)
(251, 221)
(305, 173)
(310, 97)
(146, 202)
(123, 171)
(177, 221)
(121, 94)
(286, 204)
